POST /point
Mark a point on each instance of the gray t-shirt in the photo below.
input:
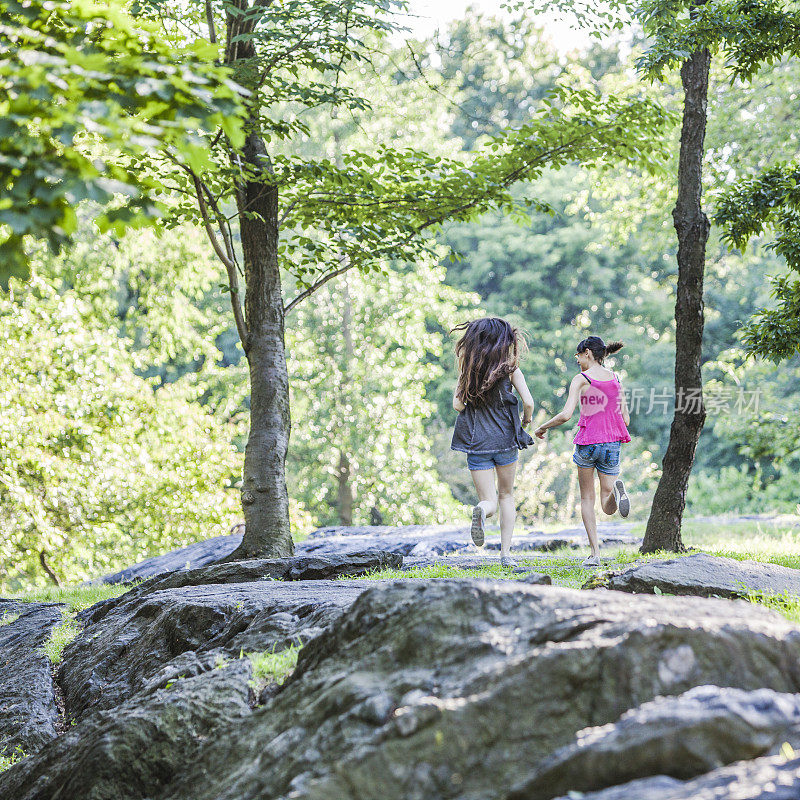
(493, 426)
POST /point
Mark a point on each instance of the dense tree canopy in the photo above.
(83, 84)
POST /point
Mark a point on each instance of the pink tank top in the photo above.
(601, 418)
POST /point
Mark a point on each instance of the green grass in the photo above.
(563, 566)
(272, 667)
(7, 761)
(769, 542)
(788, 605)
(60, 637)
(76, 598)
(7, 619)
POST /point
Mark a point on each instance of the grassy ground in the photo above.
(774, 541)
(76, 598)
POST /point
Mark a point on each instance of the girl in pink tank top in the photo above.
(602, 428)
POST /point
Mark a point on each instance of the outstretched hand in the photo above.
(540, 432)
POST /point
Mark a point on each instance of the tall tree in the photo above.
(691, 225)
(751, 35)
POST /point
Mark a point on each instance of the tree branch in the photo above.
(226, 256)
(314, 286)
(46, 567)
(230, 266)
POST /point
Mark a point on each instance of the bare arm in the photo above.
(575, 388)
(623, 407)
(518, 382)
(457, 404)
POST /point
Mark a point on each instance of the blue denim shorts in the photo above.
(500, 458)
(604, 457)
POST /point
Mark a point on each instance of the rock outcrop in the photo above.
(28, 711)
(681, 737)
(773, 778)
(131, 751)
(158, 633)
(706, 576)
(425, 542)
(406, 690)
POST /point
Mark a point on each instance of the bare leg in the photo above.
(484, 486)
(586, 483)
(508, 508)
(607, 500)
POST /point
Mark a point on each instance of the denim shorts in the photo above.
(500, 458)
(604, 457)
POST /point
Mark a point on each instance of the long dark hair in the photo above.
(488, 351)
(598, 347)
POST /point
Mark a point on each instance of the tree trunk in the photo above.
(692, 226)
(265, 498)
(344, 491)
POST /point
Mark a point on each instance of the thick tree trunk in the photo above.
(691, 224)
(264, 494)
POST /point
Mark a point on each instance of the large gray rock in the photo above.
(681, 737)
(705, 575)
(416, 541)
(769, 778)
(153, 633)
(28, 711)
(273, 569)
(455, 688)
(354, 561)
(198, 554)
(131, 752)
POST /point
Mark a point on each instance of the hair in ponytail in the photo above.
(598, 348)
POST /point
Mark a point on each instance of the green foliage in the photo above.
(744, 490)
(99, 468)
(377, 205)
(160, 291)
(769, 200)
(80, 83)
(751, 34)
(59, 638)
(492, 72)
(361, 353)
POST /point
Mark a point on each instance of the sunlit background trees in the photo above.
(124, 388)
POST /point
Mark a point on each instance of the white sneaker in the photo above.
(621, 496)
(478, 525)
(592, 561)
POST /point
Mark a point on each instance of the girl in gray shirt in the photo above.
(488, 428)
